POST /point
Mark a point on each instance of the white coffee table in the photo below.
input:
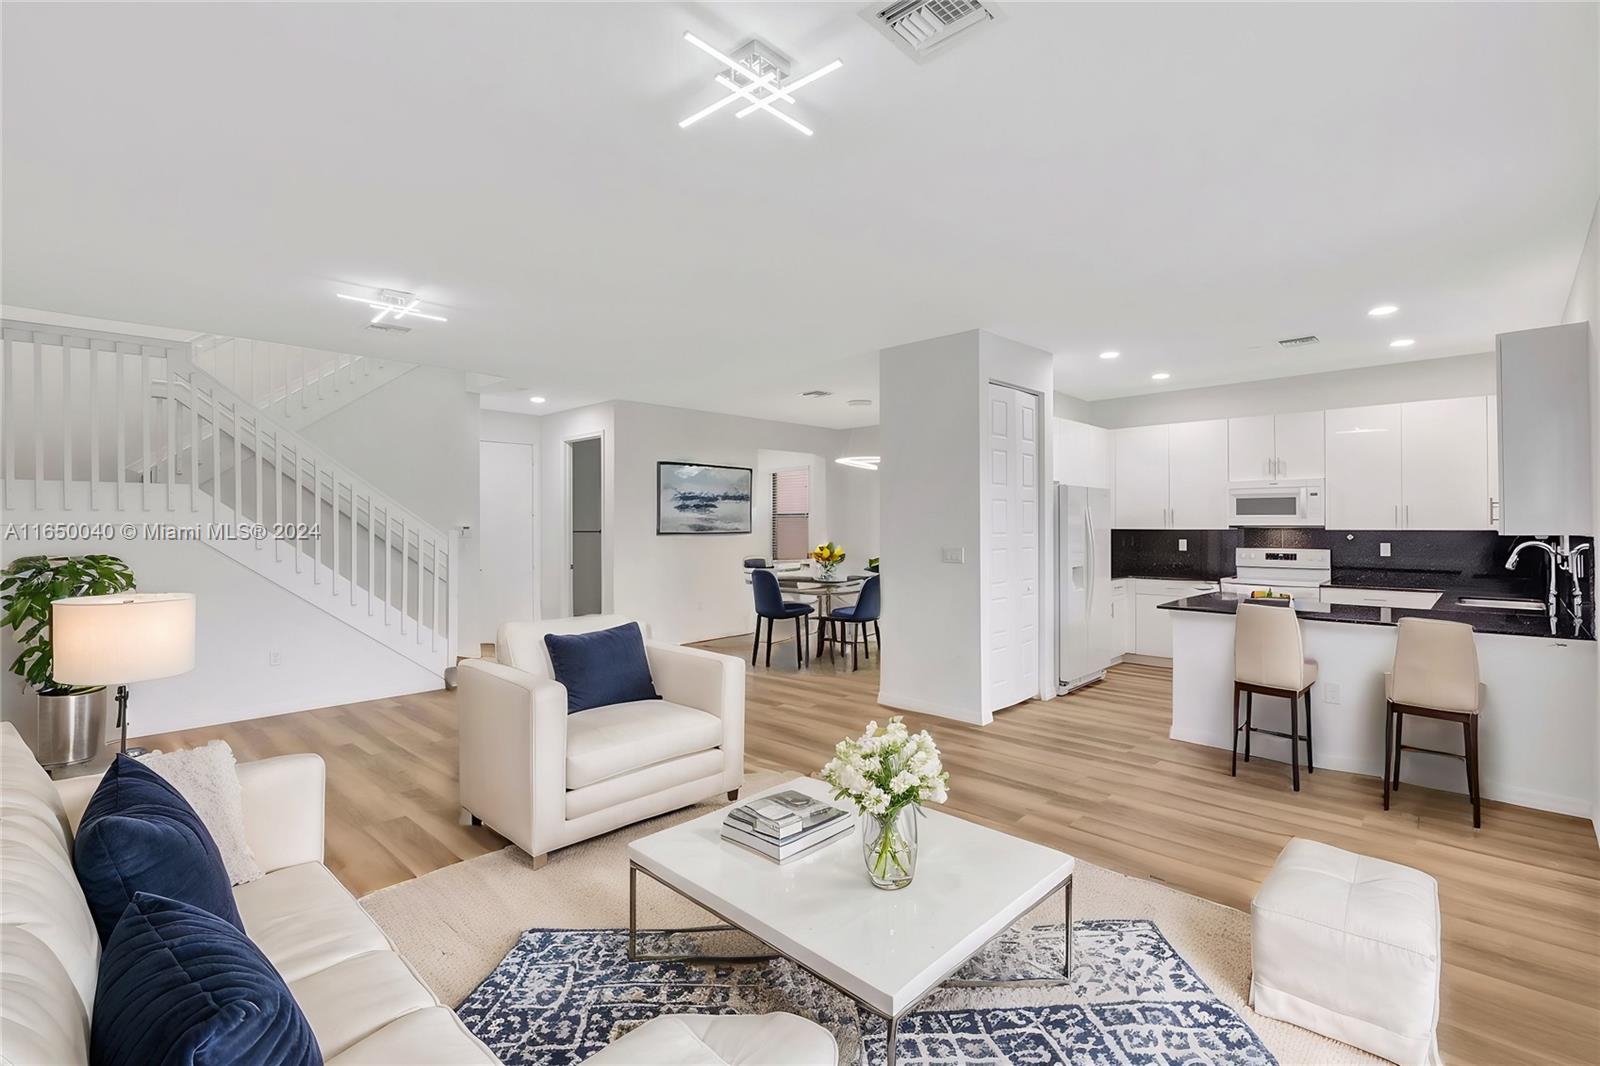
(886, 950)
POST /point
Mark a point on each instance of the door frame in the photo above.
(566, 519)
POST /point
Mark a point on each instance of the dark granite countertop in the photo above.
(1484, 620)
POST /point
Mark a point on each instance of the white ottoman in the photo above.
(1348, 946)
(776, 1039)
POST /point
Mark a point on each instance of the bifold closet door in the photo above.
(1012, 494)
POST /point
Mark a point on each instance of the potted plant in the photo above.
(72, 719)
(888, 774)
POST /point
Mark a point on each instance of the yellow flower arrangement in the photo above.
(829, 554)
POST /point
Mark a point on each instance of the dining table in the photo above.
(803, 583)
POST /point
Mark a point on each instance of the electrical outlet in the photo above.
(1183, 544)
(274, 658)
(1383, 549)
(1330, 692)
(955, 555)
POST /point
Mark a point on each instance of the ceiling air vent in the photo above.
(922, 27)
(1297, 342)
(816, 392)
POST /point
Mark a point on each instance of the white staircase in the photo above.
(99, 428)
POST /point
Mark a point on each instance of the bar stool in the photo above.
(1269, 659)
(1435, 676)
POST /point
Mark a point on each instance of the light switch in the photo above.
(955, 555)
(1183, 544)
(1383, 549)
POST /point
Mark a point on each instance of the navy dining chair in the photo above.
(868, 605)
(771, 605)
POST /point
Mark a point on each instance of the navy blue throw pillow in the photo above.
(601, 668)
(181, 987)
(139, 834)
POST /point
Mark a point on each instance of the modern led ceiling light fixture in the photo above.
(392, 306)
(860, 462)
(757, 75)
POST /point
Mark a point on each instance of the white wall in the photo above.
(1423, 379)
(1583, 305)
(416, 439)
(692, 587)
(502, 427)
(241, 619)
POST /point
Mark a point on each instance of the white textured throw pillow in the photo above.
(208, 778)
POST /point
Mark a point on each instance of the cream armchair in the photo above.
(544, 779)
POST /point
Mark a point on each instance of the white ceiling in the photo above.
(1185, 184)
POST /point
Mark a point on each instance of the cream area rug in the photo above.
(455, 925)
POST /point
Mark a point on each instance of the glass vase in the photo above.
(889, 847)
(827, 571)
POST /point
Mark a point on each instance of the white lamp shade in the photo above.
(129, 636)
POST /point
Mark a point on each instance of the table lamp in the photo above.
(124, 637)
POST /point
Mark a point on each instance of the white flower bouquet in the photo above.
(888, 774)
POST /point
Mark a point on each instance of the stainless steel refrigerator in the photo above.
(1083, 585)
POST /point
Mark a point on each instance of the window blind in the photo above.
(791, 513)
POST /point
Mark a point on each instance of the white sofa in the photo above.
(363, 1002)
(544, 779)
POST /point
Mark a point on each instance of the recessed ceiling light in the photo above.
(1402, 342)
(1109, 355)
(536, 399)
(1160, 376)
(1383, 310)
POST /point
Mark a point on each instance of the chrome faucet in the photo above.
(1575, 571)
(1555, 563)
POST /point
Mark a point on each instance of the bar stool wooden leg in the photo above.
(1470, 727)
(1399, 741)
(1249, 721)
(1233, 764)
(1310, 761)
(1388, 748)
(1294, 741)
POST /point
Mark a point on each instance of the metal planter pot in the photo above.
(72, 729)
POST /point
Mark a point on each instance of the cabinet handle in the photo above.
(1408, 516)
(1397, 516)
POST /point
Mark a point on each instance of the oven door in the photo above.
(1275, 504)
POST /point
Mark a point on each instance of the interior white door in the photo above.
(506, 577)
(1198, 475)
(1363, 460)
(1298, 450)
(1250, 448)
(1445, 479)
(1141, 464)
(1012, 497)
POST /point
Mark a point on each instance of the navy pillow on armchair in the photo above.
(139, 834)
(601, 668)
(181, 987)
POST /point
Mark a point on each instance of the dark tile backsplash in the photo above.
(1417, 558)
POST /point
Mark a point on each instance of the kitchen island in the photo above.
(1537, 732)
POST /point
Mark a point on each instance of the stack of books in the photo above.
(784, 825)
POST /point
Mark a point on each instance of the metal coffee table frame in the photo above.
(893, 1020)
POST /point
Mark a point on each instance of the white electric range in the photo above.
(1301, 572)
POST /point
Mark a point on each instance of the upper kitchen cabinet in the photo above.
(1445, 468)
(1197, 465)
(1141, 469)
(1545, 463)
(1364, 457)
(1083, 455)
(1275, 447)
(1172, 477)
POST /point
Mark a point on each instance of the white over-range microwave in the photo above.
(1276, 503)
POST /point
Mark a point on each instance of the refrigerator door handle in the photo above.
(1093, 562)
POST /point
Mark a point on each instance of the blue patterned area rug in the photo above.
(561, 995)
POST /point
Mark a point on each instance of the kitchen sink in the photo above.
(1502, 605)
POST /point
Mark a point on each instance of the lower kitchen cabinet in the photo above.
(1122, 621)
(1153, 626)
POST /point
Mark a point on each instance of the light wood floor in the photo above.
(1093, 775)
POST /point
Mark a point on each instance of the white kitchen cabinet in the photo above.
(1273, 447)
(1491, 429)
(1364, 456)
(1444, 469)
(1252, 450)
(1122, 623)
(1152, 627)
(1083, 454)
(1545, 460)
(1412, 598)
(1141, 481)
(1301, 445)
(1197, 474)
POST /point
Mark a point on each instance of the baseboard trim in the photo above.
(921, 706)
